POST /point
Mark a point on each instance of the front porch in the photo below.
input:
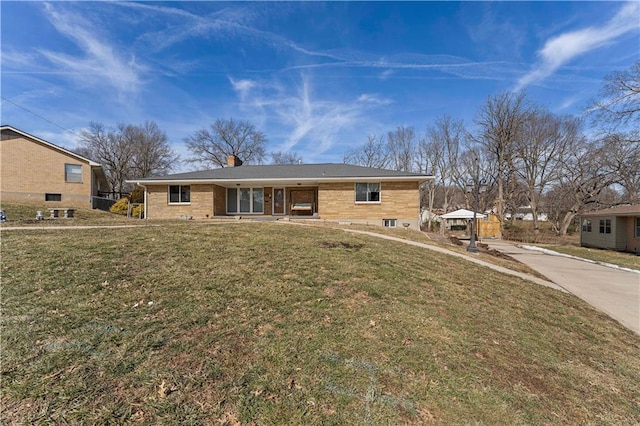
(281, 201)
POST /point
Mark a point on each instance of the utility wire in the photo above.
(39, 116)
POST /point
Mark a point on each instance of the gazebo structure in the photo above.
(488, 225)
(460, 220)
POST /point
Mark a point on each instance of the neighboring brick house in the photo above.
(33, 170)
(617, 228)
(337, 192)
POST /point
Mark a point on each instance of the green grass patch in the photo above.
(278, 324)
(626, 260)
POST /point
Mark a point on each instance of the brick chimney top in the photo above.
(233, 161)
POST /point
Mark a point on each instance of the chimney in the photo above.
(233, 161)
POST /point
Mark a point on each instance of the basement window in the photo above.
(389, 223)
(53, 197)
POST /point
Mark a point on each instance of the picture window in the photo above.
(245, 200)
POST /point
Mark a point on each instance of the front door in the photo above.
(278, 201)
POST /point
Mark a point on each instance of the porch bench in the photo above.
(301, 208)
(54, 212)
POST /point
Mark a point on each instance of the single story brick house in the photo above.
(337, 192)
(33, 170)
(617, 228)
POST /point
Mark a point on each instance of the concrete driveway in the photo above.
(614, 292)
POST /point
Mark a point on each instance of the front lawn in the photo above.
(21, 214)
(234, 323)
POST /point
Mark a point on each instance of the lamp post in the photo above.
(476, 187)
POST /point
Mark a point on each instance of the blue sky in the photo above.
(316, 78)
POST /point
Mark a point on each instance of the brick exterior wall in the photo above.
(335, 201)
(29, 170)
(398, 200)
(200, 207)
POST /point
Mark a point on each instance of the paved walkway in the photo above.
(614, 292)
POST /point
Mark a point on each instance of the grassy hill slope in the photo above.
(273, 323)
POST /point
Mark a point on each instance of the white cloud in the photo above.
(373, 99)
(100, 63)
(242, 87)
(307, 123)
(565, 47)
(237, 22)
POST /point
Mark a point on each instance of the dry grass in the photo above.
(25, 215)
(485, 251)
(277, 324)
(626, 260)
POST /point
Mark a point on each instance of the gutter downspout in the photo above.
(145, 200)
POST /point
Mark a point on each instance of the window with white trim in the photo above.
(367, 192)
(245, 200)
(389, 223)
(73, 173)
(586, 225)
(179, 194)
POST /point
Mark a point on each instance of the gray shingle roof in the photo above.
(628, 210)
(297, 171)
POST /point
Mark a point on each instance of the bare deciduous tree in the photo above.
(581, 182)
(111, 149)
(619, 102)
(152, 154)
(212, 146)
(438, 155)
(428, 158)
(401, 148)
(623, 158)
(543, 143)
(372, 154)
(127, 151)
(500, 122)
(285, 158)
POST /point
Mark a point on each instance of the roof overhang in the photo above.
(279, 181)
(51, 145)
